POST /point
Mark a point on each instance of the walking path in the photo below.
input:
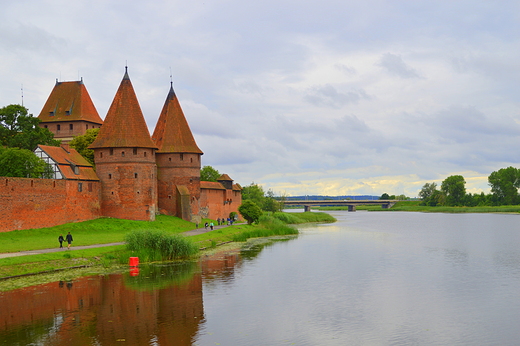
(42, 251)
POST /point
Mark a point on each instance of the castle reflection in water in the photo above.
(163, 305)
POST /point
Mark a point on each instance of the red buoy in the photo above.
(134, 261)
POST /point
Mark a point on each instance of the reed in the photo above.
(154, 245)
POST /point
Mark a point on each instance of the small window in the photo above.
(111, 151)
(58, 127)
(89, 187)
(109, 176)
(51, 113)
(123, 154)
(45, 126)
(145, 154)
(135, 175)
(135, 151)
(182, 157)
(71, 127)
(101, 154)
(80, 187)
(86, 126)
(170, 159)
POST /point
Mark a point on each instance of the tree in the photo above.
(81, 144)
(250, 211)
(270, 203)
(20, 130)
(208, 173)
(427, 194)
(255, 193)
(504, 185)
(454, 189)
(23, 163)
(385, 196)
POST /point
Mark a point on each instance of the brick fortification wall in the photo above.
(218, 203)
(36, 203)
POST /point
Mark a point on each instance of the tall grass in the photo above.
(296, 218)
(154, 245)
(267, 226)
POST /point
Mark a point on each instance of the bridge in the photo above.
(385, 203)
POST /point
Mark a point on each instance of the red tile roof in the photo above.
(124, 124)
(211, 185)
(66, 157)
(69, 101)
(172, 133)
(224, 177)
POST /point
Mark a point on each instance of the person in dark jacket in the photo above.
(61, 240)
(69, 239)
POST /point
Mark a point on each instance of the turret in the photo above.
(178, 162)
(125, 159)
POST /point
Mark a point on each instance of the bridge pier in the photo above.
(306, 208)
(351, 208)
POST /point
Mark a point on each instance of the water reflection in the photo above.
(161, 306)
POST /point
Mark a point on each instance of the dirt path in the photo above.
(42, 251)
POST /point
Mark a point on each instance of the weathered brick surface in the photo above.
(35, 203)
(128, 182)
(219, 203)
(174, 169)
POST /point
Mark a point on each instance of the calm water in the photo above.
(370, 279)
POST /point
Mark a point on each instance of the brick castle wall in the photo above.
(35, 203)
(216, 203)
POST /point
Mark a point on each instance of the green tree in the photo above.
(427, 193)
(250, 211)
(385, 196)
(208, 173)
(81, 144)
(504, 185)
(270, 203)
(255, 193)
(23, 163)
(454, 189)
(18, 129)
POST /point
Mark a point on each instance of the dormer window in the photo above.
(51, 113)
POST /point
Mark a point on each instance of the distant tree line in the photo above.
(504, 185)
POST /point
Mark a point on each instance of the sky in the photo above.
(321, 97)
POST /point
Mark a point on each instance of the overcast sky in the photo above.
(302, 97)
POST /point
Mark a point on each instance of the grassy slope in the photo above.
(105, 231)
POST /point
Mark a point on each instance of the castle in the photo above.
(137, 176)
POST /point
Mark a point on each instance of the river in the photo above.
(372, 278)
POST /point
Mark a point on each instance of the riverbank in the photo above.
(92, 258)
(414, 206)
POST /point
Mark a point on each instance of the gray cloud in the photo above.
(395, 65)
(328, 96)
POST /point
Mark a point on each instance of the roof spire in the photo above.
(126, 73)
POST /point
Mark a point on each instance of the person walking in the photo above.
(69, 239)
(61, 240)
(211, 225)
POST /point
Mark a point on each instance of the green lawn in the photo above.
(100, 231)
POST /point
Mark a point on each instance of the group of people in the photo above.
(221, 221)
(67, 238)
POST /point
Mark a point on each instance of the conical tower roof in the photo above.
(69, 101)
(124, 124)
(172, 133)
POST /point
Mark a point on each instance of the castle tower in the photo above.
(124, 155)
(69, 111)
(178, 162)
